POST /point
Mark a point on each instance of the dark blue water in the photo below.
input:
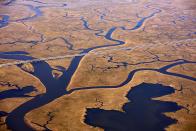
(7, 55)
(15, 53)
(3, 113)
(142, 113)
(14, 93)
(4, 21)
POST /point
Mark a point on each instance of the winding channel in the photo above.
(16, 118)
(36, 9)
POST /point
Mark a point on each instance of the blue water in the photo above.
(5, 20)
(141, 21)
(142, 113)
(15, 53)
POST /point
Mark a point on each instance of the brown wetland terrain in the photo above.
(93, 65)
